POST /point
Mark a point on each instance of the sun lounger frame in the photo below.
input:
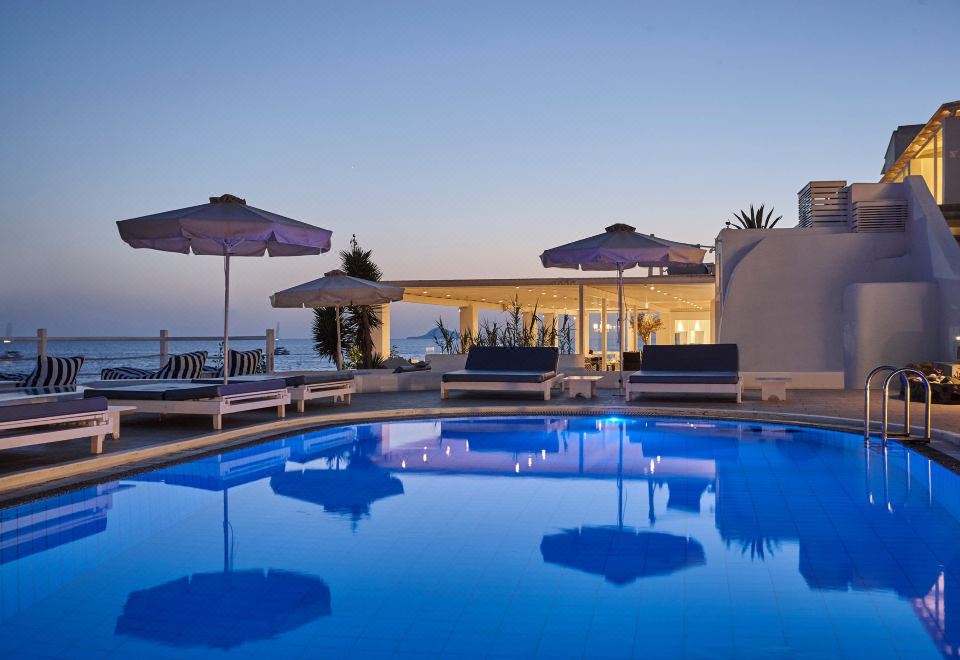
(343, 389)
(731, 389)
(94, 425)
(543, 387)
(215, 407)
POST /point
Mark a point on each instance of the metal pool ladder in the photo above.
(885, 416)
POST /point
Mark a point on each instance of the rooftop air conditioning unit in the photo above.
(879, 215)
(823, 204)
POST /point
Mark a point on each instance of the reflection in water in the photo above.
(621, 554)
(37, 526)
(348, 491)
(224, 610)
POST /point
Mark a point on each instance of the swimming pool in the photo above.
(522, 537)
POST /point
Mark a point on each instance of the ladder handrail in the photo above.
(927, 434)
(866, 398)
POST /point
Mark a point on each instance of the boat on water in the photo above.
(279, 350)
(11, 355)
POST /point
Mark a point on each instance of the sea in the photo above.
(146, 354)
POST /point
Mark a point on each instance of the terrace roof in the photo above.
(920, 139)
(667, 293)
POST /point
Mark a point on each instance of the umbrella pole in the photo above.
(339, 349)
(226, 316)
(620, 321)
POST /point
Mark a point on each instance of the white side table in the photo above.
(585, 386)
(115, 412)
(773, 388)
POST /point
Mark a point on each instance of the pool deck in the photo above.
(147, 443)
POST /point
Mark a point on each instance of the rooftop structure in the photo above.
(931, 151)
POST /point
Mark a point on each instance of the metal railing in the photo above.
(42, 340)
(885, 414)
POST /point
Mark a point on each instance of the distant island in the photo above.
(430, 334)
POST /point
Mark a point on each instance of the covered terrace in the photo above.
(685, 304)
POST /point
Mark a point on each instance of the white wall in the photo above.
(797, 300)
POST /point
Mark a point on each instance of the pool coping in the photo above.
(42, 482)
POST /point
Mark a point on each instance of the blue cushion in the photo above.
(291, 381)
(183, 391)
(697, 377)
(496, 358)
(25, 411)
(692, 357)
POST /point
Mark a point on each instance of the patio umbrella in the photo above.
(337, 289)
(620, 247)
(225, 227)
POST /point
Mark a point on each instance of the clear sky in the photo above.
(455, 139)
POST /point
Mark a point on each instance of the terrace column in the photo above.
(665, 336)
(381, 335)
(583, 325)
(603, 334)
(469, 320)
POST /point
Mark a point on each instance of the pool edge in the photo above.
(43, 482)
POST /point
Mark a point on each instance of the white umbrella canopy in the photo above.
(225, 227)
(337, 289)
(618, 248)
(621, 247)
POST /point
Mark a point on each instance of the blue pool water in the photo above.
(519, 537)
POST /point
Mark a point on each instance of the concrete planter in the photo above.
(442, 363)
(384, 380)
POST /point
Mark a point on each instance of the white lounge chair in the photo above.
(199, 398)
(22, 425)
(501, 369)
(695, 369)
(338, 385)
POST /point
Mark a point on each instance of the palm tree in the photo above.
(753, 220)
(356, 323)
(325, 333)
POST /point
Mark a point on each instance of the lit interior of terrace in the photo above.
(685, 303)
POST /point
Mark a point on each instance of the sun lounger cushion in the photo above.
(691, 357)
(243, 363)
(52, 371)
(26, 411)
(291, 381)
(126, 373)
(183, 391)
(699, 377)
(496, 358)
(484, 376)
(186, 365)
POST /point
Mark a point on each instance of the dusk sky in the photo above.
(455, 139)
